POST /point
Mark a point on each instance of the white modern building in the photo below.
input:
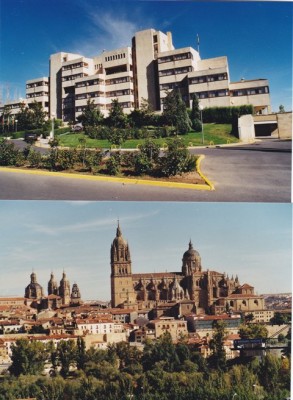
(147, 69)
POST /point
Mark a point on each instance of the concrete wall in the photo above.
(285, 125)
(246, 128)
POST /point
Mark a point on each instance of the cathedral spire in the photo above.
(118, 232)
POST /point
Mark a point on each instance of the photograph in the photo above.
(146, 101)
(145, 300)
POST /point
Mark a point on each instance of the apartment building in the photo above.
(147, 69)
(38, 90)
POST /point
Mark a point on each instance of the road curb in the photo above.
(176, 185)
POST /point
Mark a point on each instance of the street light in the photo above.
(52, 131)
(16, 121)
(200, 107)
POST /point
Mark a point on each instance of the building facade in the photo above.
(191, 290)
(146, 69)
(57, 295)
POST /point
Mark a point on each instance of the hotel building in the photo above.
(147, 69)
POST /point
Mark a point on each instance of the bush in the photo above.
(34, 158)
(113, 164)
(225, 115)
(143, 165)
(67, 158)
(93, 160)
(177, 159)
(9, 155)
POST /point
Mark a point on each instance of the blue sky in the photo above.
(251, 240)
(256, 36)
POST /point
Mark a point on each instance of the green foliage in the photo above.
(218, 357)
(280, 319)
(177, 159)
(175, 112)
(117, 136)
(34, 158)
(66, 354)
(67, 158)
(32, 117)
(93, 160)
(116, 118)
(113, 164)
(225, 115)
(253, 331)
(91, 117)
(27, 357)
(195, 114)
(9, 155)
(281, 108)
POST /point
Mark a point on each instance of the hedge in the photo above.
(225, 115)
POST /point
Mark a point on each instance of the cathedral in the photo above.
(57, 295)
(192, 289)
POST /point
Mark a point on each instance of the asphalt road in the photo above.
(259, 172)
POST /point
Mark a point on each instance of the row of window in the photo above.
(251, 91)
(118, 93)
(30, 96)
(212, 93)
(82, 108)
(115, 81)
(90, 83)
(175, 57)
(170, 86)
(126, 104)
(89, 95)
(73, 77)
(33, 85)
(175, 71)
(208, 78)
(115, 57)
(74, 66)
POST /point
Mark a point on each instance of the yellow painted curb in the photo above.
(207, 186)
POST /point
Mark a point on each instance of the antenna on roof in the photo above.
(197, 41)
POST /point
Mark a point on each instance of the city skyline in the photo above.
(252, 241)
(34, 31)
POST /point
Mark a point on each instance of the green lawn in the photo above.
(213, 134)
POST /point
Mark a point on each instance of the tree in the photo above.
(32, 117)
(91, 116)
(80, 353)
(195, 114)
(177, 158)
(175, 112)
(218, 358)
(6, 119)
(281, 108)
(66, 353)
(280, 319)
(117, 136)
(28, 358)
(116, 118)
(253, 331)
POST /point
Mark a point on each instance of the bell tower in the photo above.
(122, 291)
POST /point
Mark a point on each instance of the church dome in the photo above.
(191, 261)
(119, 240)
(190, 254)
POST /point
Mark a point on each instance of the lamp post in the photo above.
(52, 131)
(16, 121)
(202, 132)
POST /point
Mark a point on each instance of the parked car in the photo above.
(30, 137)
(77, 128)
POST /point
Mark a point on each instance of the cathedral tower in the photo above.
(64, 289)
(33, 290)
(52, 285)
(122, 292)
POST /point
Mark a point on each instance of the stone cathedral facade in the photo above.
(192, 289)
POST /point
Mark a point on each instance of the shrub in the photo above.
(9, 155)
(177, 159)
(34, 158)
(143, 165)
(93, 160)
(67, 158)
(113, 164)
